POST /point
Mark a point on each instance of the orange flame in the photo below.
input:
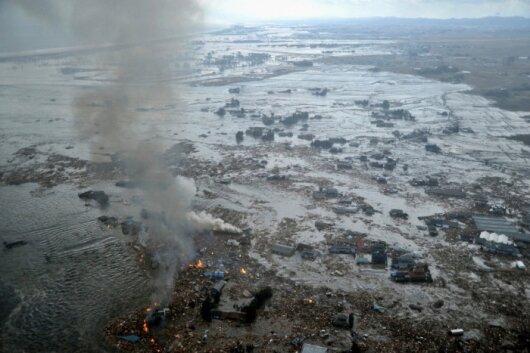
(145, 327)
(198, 265)
(243, 271)
(310, 301)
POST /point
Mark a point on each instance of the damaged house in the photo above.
(325, 193)
(418, 273)
(379, 256)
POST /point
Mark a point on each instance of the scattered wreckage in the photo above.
(99, 196)
(343, 320)
(417, 273)
(14, 244)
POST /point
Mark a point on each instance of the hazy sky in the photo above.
(31, 24)
(249, 10)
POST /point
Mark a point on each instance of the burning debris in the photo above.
(154, 317)
(307, 311)
(199, 265)
(218, 277)
(310, 301)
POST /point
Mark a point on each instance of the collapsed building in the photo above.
(325, 193)
(418, 273)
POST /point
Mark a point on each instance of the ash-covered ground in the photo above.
(344, 188)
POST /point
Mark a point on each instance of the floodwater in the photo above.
(62, 288)
(71, 278)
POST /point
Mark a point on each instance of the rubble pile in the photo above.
(297, 313)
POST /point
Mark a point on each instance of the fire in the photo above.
(145, 328)
(243, 271)
(198, 265)
(310, 301)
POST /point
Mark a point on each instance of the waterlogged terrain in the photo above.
(306, 122)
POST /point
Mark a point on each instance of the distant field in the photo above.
(497, 67)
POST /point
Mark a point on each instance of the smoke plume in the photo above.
(143, 38)
(205, 221)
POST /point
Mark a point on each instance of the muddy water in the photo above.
(58, 292)
(62, 288)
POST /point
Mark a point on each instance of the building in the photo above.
(311, 348)
(379, 257)
(497, 243)
(403, 262)
(283, 250)
(342, 249)
(456, 193)
(325, 193)
(431, 147)
(345, 210)
(500, 225)
(310, 254)
(362, 260)
(397, 213)
(418, 273)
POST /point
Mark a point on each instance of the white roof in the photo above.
(519, 264)
(496, 238)
(311, 348)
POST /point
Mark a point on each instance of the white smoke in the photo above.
(205, 221)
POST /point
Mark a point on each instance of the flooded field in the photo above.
(305, 124)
